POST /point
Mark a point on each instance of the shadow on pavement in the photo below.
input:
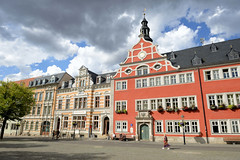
(50, 155)
(29, 145)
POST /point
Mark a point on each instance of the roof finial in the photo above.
(144, 12)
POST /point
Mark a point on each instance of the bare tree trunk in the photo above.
(3, 127)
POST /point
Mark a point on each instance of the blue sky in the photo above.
(47, 37)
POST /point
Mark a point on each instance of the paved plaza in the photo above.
(64, 149)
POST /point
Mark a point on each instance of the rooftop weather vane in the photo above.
(144, 11)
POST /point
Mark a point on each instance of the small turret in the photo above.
(144, 31)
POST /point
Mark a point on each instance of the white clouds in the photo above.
(50, 70)
(25, 72)
(47, 31)
(176, 39)
(93, 58)
(221, 18)
(214, 40)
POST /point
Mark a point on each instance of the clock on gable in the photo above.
(142, 55)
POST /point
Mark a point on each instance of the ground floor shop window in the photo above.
(80, 121)
(190, 126)
(158, 126)
(95, 122)
(226, 126)
(65, 122)
(121, 126)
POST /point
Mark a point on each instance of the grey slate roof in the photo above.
(184, 58)
(47, 80)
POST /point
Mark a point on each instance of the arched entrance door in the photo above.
(45, 128)
(106, 126)
(144, 132)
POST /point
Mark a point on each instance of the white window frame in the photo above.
(225, 128)
(122, 86)
(225, 99)
(121, 126)
(158, 126)
(121, 104)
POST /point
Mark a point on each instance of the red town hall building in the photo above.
(195, 91)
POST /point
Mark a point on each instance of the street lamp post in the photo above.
(183, 127)
(74, 126)
(17, 125)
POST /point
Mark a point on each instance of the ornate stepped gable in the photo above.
(144, 53)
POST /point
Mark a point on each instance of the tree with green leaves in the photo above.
(15, 102)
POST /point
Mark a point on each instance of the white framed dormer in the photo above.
(99, 79)
(108, 78)
(52, 80)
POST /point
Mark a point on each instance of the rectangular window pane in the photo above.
(139, 105)
(225, 73)
(138, 83)
(173, 79)
(230, 99)
(234, 72)
(166, 80)
(151, 82)
(124, 85)
(158, 81)
(182, 78)
(144, 82)
(215, 74)
(189, 77)
(118, 85)
(158, 126)
(215, 128)
(153, 104)
(208, 75)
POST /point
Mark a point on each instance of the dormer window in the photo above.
(108, 79)
(39, 82)
(232, 55)
(63, 84)
(196, 60)
(30, 83)
(52, 80)
(213, 48)
(98, 79)
(172, 56)
(142, 70)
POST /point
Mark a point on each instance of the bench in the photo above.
(123, 137)
(233, 140)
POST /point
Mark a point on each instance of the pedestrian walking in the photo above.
(53, 134)
(165, 142)
(58, 134)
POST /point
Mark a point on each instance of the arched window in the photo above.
(142, 70)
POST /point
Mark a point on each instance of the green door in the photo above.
(144, 135)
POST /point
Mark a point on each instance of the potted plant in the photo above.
(213, 107)
(222, 106)
(176, 109)
(124, 111)
(232, 107)
(184, 108)
(193, 107)
(160, 109)
(169, 109)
